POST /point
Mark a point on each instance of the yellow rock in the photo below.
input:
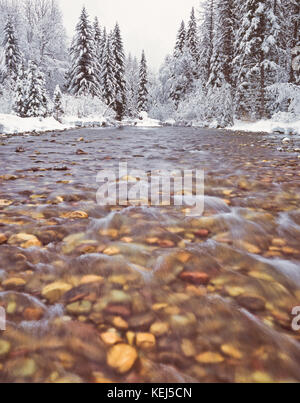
(24, 240)
(3, 239)
(261, 276)
(249, 247)
(130, 338)
(120, 323)
(159, 307)
(112, 233)
(210, 358)
(54, 291)
(75, 215)
(278, 242)
(13, 282)
(111, 251)
(110, 338)
(234, 291)
(91, 279)
(188, 348)
(122, 358)
(5, 203)
(183, 257)
(159, 328)
(145, 341)
(231, 351)
(262, 377)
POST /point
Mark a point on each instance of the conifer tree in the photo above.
(19, 105)
(192, 37)
(36, 101)
(57, 101)
(207, 40)
(84, 78)
(108, 74)
(181, 41)
(12, 52)
(143, 81)
(119, 73)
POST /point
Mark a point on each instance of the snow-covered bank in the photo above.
(268, 126)
(11, 124)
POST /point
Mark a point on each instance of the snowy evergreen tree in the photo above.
(119, 73)
(294, 26)
(207, 31)
(36, 100)
(13, 56)
(192, 40)
(57, 101)
(108, 74)
(181, 41)
(143, 81)
(258, 57)
(19, 104)
(132, 86)
(223, 44)
(83, 76)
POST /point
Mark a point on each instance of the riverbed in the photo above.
(149, 293)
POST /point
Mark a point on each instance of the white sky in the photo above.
(145, 24)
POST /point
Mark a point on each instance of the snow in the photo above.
(11, 124)
(267, 126)
(145, 121)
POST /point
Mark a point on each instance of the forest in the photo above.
(232, 60)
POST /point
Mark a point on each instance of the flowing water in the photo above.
(148, 294)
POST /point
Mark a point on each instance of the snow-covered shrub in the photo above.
(286, 99)
(6, 99)
(85, 106)
(162, 111)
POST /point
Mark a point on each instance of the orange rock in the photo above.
(198, 278)
(3, 239)
(32, 314)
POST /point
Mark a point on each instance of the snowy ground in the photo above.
(268, 126)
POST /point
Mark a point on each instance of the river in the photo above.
(145, 293)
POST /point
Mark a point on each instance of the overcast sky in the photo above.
(145, 24)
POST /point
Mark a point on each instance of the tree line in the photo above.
(97, 69)
(239, 58)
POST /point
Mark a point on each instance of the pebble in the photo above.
(3, 239)
(110, 338)
(89, 279)
(188, 348)
(111, 251)
(252, 303)
(33, 314)
(120, 323)
(142, 322)
(122, 358)
(159, 328)
(74, 215)
(195, 278)
(210, 358)
(24, 240)
(183, 324)
(4, 348)
(79, 308)
(13, 282)
(145, 341)
(231, 351)
(22, 368)
(54, 291)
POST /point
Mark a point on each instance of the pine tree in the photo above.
(35, 96)
(119, 73)
(223, 44)
(132, 86)
(108, 74)
(57, 101)
(192, 37)
(143, 81)
(13, 56)
(84, 74)
(258, 57)
(294, 27)
(19, 105)
(181, 41)
(207, 40)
